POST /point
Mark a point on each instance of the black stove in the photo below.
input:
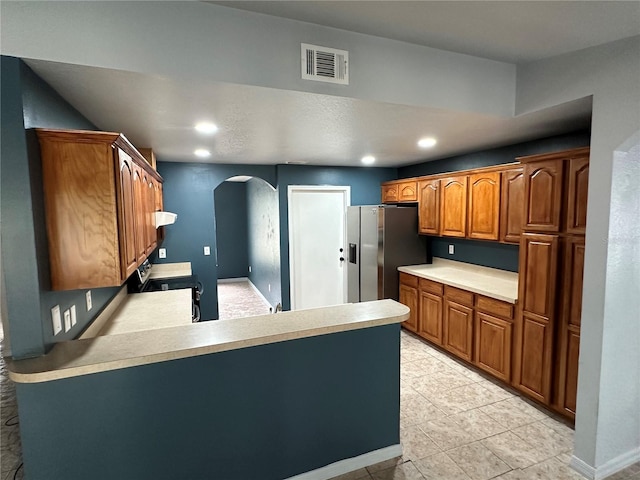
(140, 282)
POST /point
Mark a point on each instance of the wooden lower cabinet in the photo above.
(430, 323)
(408, 295)
(493, 345)
(458, 329)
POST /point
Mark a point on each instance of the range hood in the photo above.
(164, 218)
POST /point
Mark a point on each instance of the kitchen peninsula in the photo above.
(270, 396)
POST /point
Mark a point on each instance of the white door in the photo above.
(317, 223)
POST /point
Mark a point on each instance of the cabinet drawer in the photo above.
(431, 286)
(460, 296)
(496, 307)
(409, 280)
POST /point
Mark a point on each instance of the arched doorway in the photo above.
(247, 254)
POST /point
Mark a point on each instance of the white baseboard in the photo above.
(266, 302)
(255, 289)
(614, 465)
(351, 464)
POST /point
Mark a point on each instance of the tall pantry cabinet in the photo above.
(550, 277)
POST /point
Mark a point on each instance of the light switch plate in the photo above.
(162, 253)
(56, 320)
(451, 249)
(89, 304)
(74, 315)
(207, 250)
(67, 320)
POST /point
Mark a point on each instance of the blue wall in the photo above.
(264, 239)
(497, 156)
(28, 102)
(230, 200)
(188, 191)
(365, 190)
(267, 412)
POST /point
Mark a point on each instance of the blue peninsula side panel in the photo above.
(265, 412)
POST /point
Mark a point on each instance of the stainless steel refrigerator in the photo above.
(380, 238)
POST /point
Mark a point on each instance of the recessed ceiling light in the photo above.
(368, 159)
(202, 153)
(427, 142)
(206, 127)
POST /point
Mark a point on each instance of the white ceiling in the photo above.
(508, 31)
(268, 126)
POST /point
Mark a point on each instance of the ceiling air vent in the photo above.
(324, 64)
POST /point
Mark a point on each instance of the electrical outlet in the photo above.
(269, 287)
(451, 249)
(74, 316)
(207, 250)
(249, 268)
(162, 253)
(67, 320)
(56, 321)
(89, 304)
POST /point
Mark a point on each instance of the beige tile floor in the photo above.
(456, 424)
(239, 299)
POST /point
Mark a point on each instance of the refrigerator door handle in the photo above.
(353, 253)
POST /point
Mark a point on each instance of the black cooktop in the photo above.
(174, 283)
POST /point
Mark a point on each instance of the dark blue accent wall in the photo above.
(264, 240)
(487, 254)
(497, 156)
(28, 102)
(230, 200)
(188, 191)
(268, 412)
(365, 190)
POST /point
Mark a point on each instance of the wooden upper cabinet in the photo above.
(543, 195)
(400, 191)
(139, 201)
(429, 207)
(512, 205)
(577, 187)
(91, 207)
(484, 206)
(150, 204)
(453, 206)
(126, 214)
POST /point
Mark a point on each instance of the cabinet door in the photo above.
(537, 292)
(458, 329)
(430, 322)
(543, 195)
(429, 207)
(453, 206)
(578, 183)
(571, 311)
(537, 273)
(390, 193)
(512, 205)
(408, 191)
(493, 345)
(409, 297)
(126, 215)
(139, 196)
(484, 206)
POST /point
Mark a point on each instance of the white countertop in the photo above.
(150, 310)
(170, 270)
(491, 282)
(111, 352)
